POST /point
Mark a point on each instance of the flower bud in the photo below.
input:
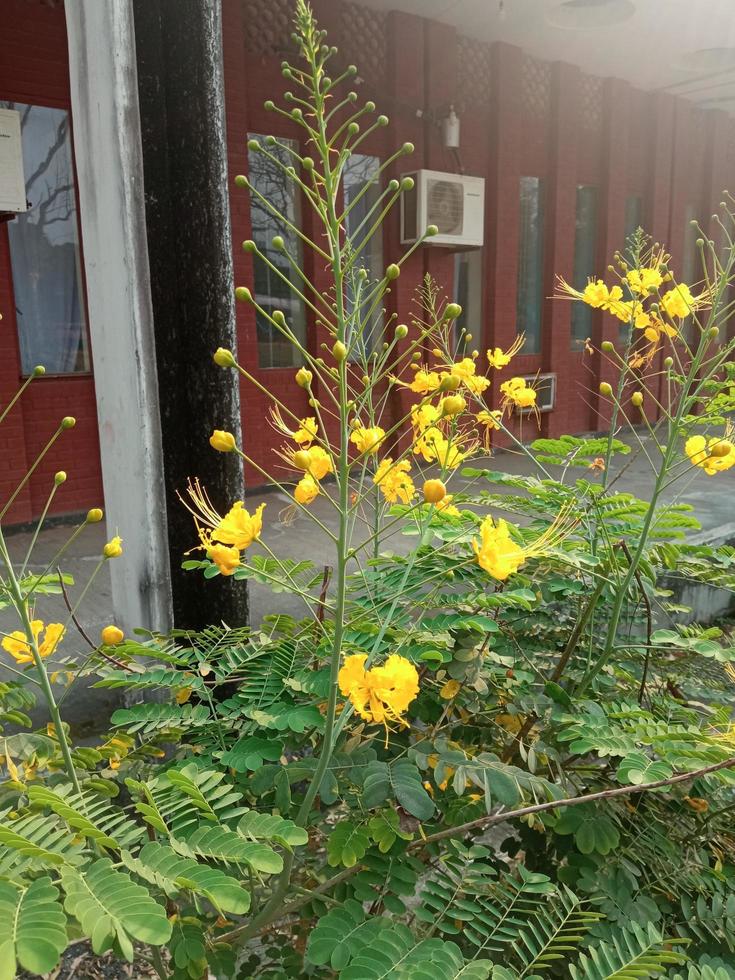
(713, 332)
(111, 636)
(224, 358)
(668, 362)
(303, 377)
(452, 311)
(407, 183)
(392, 272)
(59, 478)
(249, 246)
(434, 491)
(278, 243)
(38, 371)
(636, 399)
(450, 382)
(339, 352)
(452, 405)
(468, 337)
(606, 389)
(607, 346)
(301, 460)
(95, 515)
(241, 181)
(113, 548)
(407, 148)
(222, 441)
(68, 422)
(401, 331)
(720, 449)
(243, 294)
(431, 230)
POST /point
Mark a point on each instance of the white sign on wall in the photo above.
(12, 180)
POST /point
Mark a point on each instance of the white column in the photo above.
(109, 162)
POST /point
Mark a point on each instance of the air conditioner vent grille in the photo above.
(445, 206)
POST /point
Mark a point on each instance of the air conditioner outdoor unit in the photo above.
(452, 202)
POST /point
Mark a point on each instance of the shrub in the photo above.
(484, 757)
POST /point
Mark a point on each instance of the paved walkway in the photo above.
(713, 499)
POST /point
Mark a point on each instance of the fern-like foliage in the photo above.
(32, 927)
(630, 954)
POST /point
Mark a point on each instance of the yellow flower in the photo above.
(113, 548)
(497, 552)
(18, 647)
(465, 371)
(424, 416)
(642, 281)
(226, 557)
(501, 556)
(395, 481)
(447, 508)
(382, 694)
(424, 382)
(679, 302)
(491, 422)
(595, 294)
(436, 448)
(498, 358)
(237, 528)
(111, 636)
(367, 440)
(320, 462)
(303, 435)
(223, 442)
(517, 392)
(307, 490)
(713, 456)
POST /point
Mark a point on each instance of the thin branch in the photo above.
(82, 632)
(605, 794)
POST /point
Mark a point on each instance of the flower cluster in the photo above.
(713, 455)
(380, 695)
(223, 538)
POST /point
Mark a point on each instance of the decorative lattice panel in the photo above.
(591, 102)
(473, 72)
(535, 87)
(363, 41)
(268, 27)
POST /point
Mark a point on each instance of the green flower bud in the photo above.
(370, 107)
(431, 230)
(278, 243)
(339, 351)
(241, 181)
(59, 478)
(95, 515)
(38, 371)
(668, 362)
(605, 389)
(407, 183)
(392, 272)
(608, 346)
(224, 358)
(407, 148)
(249, 246)
(254, 146)
(401, 331)
(452, 311)
(243, 294)
(382, 121)
(636, 399)
(68, 422)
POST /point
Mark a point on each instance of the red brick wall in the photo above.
(519, 117)
(34, 70)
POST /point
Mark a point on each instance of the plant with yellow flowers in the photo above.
(480, 740)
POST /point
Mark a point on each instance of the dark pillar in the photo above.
(181, 92)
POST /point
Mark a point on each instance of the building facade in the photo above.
(572, 164)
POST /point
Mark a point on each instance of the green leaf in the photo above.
(88, 814)
(347, 844)
(637, 768)
(630, 954)
(402, 780)
(160, 865)
(341, 934)
(291, 717)
(593, 831)
(267, 826)
(385, 829)
(32, 928)
(111, 908)
(250, 753)
(218, 843)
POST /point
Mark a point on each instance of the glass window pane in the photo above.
(361, 193)
(529, 301)
(585, 250)
(271, 292)
(44, 248)
(468, 293)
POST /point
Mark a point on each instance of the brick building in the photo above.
(572, 162)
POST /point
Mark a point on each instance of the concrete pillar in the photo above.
(104, 100)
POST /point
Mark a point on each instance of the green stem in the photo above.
(21, 606)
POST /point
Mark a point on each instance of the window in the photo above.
(271, 291)
(468, 293)
(44, 248)
(529, 299)
(361, 193)
(585, 248)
